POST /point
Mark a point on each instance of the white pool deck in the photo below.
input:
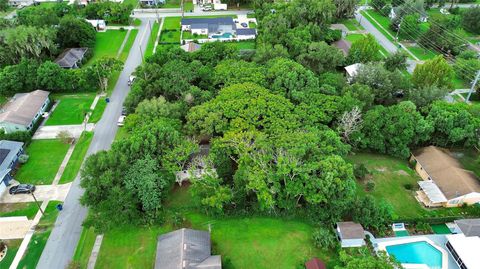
(437, 241)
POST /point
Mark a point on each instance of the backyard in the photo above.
(282, 243)
(76, 160)
(395, 182)
(45, 157)
(71, 108)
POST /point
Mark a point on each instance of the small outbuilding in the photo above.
(99, 25)
(71, 58)
(315, 263)
(350, 234)
(352, 70)
(191, 47)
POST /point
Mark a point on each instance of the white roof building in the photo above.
(352, 70)
(465, 250)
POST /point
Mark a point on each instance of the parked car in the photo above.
(121, 120)
(207, 9)
(22, 188)
(131, 79)
(244, 24)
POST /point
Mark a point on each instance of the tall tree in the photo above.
(434, 72)
(75, 32)
(321, 57)
(471, 20)
(364, 50)
(344, 8)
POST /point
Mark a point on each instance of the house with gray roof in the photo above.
(22, 111)
(9, 153)
(212, 27)
(468, 227)
(71, 58)
(186, 249)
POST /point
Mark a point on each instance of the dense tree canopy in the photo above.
(434, 72)
(74, 32)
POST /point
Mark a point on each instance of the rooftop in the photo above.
(70, 57)
(191, 47)
(315, 263)
(343, 45)
(466, 248)
(186, 249)
(350, 230)
(8, 151)
(447, 172)
(247, 31)
(469, 227)
(23, 107)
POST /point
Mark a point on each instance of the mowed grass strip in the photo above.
(71, 109)
(45, 159)
(151, 40)
(40, 237)
(128, 45)
(102, 104)
(84, 247)
(76, 160)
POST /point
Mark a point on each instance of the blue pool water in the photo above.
(224, 35)
(417, 252)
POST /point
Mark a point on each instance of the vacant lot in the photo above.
(45, 159)
(107, 45)
(71, 109)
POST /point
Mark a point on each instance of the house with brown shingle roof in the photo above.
(22, 111)
(445, 182)
(350, 234)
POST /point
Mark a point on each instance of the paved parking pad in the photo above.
(42, 193)
(14, 227)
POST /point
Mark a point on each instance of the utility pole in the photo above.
(183, 10)
(398, 30)
(36, 202)
(477, 77)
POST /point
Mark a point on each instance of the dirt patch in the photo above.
(402, 173)
(381, 169)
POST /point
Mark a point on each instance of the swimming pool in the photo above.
(224, 35)
(420, 252)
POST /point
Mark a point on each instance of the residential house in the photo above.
(196, 166)
(343, 45)
(395, 10)
(212, 27)
(352, 70)
(464, 250)
(99, 25)
(152, 2)
(445, 182)
(315, 263)
(186, 249)
(9, 153)
(22, 111)
(191, 47)
(20, 3)
(350, 234)
(468, 227)
(71, 58)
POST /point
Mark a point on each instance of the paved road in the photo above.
(382, 40)
(65, 235)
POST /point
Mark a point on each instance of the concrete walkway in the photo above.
(14, 227)
(51, 132)
(158, 35)
(95, 250)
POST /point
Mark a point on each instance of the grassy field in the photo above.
(391, 176)
(18, 209)
(189, 35)
(84, 247)
(107, 45)
(440, 229)
(13, 246)
(75, 162)
(39, 238)
(422, 54)
(151, 40)
(101, 104)
(244, 45)
(351, 24)
(128, 45)
(172, 23)
(45, 159)
(71, 109)
(170, 36)
(383, 21)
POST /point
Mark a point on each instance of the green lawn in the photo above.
(390, 176)
(252, 25)
(18, 209)
(189, 35)
(84, 247)
(101, 104)
(244, 45)
(45, 159)
(128, 45)
(440, 229)
(281, 243)
(108, 43)
(71, 109)
(13, 246)
(351, 24)
(188, 6)
(134, 3)
(75, 162)
(151, 40)
(382, 20)
(172, 23)
(39, 238)
(170, 36)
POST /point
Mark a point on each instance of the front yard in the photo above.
(107, 45)
(45, 159)
(76, 160)
(18, 209)
(71, 108)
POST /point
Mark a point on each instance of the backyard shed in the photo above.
(351, 234)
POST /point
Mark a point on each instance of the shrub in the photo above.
(23, 158)
(324, 238)
(360, 171)
(408, 186)
(370, 185)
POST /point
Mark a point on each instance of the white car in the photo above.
(131, 79)
(121, 120)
